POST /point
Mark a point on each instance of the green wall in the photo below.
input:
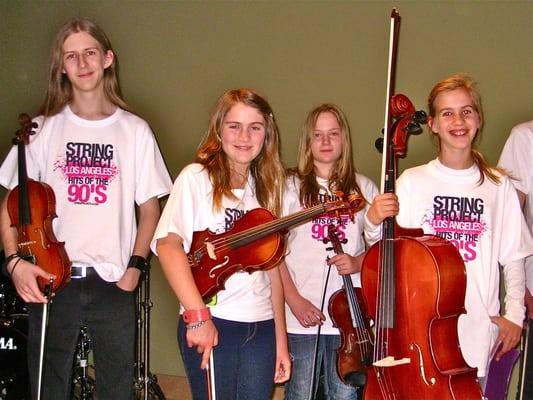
(177, 57)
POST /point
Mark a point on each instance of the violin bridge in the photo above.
(210, 250)
(391, 362)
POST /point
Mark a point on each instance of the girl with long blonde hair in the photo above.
(237, 169)
(459, 197)
(324, 168)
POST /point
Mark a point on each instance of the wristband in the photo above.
(192, 316)
(138, 262)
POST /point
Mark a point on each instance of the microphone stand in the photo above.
(146, 386)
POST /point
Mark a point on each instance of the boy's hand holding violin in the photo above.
(24, 275)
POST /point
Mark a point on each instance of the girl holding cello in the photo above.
(459, 197)
(87, 137)
(242, 330)
(325, 165)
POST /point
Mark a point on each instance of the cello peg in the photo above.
(379, 145)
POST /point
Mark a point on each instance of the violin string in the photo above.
(276, 223)
(266, 229)
(363, 338)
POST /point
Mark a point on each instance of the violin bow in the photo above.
(44, 324)
(210, 374)
(318, 329)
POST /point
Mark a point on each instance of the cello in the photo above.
(349, 315)
(414, 288)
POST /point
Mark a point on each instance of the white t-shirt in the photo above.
(246, 297)
(99, 170)
(486, 225)
(306, 258)
(517, 158)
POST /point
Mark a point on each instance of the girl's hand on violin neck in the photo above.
(508, 336)
(204, 337)
(283, 367)
(24, 277)
(306, 313)
(128, 282)
(384, 205)
(346, 264)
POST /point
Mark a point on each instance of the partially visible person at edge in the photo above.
(517, 159)
(237, 169)
(459, 197)
(87, 136)
(324, 167)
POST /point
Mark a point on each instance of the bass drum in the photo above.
(14, 381)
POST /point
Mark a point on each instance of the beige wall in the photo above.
(177, 57)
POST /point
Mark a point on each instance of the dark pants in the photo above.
(528, 366)
(245, 359)
(109, 314)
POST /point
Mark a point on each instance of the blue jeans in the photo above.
(245, 359)
(109, 314)
(302, 349)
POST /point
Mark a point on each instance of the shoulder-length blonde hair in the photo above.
(464, 81)
(266, 169)
(59, 92)
(342, 176)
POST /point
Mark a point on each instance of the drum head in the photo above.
(13, 364)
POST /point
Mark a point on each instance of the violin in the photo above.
(255, 242)
(348, 314)
(31, 208)
(414, 288)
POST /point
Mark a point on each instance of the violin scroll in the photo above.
(27, 128)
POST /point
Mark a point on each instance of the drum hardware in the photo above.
(146, 386)
(83, 383)
(145, 383)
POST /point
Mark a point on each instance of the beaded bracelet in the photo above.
(7, 261)
(10, 257)
(196, 326)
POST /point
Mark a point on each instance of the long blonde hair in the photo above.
(343, 174)
(266, 169)
(464, 81)
(59, 92)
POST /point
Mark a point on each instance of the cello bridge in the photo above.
(391, 362)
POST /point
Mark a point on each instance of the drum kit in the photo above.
(14, 378)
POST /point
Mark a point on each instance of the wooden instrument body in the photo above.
(36, 240)
(262, 254)
(430, 285)
(352, 355)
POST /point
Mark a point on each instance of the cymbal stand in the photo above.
(146, 386)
